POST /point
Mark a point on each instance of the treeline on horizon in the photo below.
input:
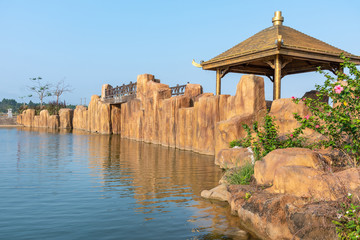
(17, 107)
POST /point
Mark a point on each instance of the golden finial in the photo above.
(277, 19)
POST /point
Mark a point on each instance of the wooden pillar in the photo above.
(277, 78)
(218, 82)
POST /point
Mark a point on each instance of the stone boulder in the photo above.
(313, 95)
(231, 129)
(80, 119)
(99, 116)
(349, 179)
(36, 121)
(264, 170)
(219, 193)
(282, 216)
(234, 157)
(44, 118)
(283, 110)
(66, 118)
(104, 88)
(116, 119)
(192, 91)
(28, 117)
(249, 97)
(306, 182)
(141, 85)
(54, 122)
(206, 115)
(19, 119)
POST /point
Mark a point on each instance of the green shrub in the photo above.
(348, 220)
(241, 176)
(267, 139)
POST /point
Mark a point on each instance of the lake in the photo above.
(76, 185)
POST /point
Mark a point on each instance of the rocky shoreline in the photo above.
(295, 193)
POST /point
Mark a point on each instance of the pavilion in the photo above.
(275, 52)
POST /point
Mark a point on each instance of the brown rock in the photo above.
(219, 193)
(264, 170)
(206, 114)
(132, 115)
(99, 116)
(36, 121)
(349, 179)
(249, 97)
(233, 157)
(19, 119)
(53, 122)
(283, 110)
(229, 130)
(80, 119)
(278, 216)
(116, 119)
(104, 88)
(44, 116)
(313, 94)
(306, 182)
(141, 86)
(66, 118)
(184, 138)
(28, 117)
(192, 91)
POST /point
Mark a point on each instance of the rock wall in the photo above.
(195, 121)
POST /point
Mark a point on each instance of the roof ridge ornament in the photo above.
(278, 19)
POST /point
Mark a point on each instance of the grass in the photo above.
(241, 176)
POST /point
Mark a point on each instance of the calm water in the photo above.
(81, 186)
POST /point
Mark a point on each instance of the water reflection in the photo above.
(164, 183)
(161, 176)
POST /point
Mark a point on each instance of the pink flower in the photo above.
(329, 113)
(357, 97)
(304, 99)
(307, 117)
(291, 135)
(293, 97)
(338, 89)
(317, 126)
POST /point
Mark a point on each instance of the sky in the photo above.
(90, 43)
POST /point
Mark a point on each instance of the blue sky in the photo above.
(89, 43)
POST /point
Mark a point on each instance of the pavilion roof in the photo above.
(262, 46)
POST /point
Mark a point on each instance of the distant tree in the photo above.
(60, 88)
(41, 89)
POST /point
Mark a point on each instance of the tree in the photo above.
(40, 88)
(60, 88)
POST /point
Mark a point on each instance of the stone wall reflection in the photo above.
(158, 176)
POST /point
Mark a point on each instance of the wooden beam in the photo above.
(277, 78)
(218, 82)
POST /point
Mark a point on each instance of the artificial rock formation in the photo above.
(80, 119)
(66, 118)
(264, 170)
(234, 158)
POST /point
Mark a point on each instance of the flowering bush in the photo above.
(340, 124)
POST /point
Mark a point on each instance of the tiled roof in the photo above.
(292, 39)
